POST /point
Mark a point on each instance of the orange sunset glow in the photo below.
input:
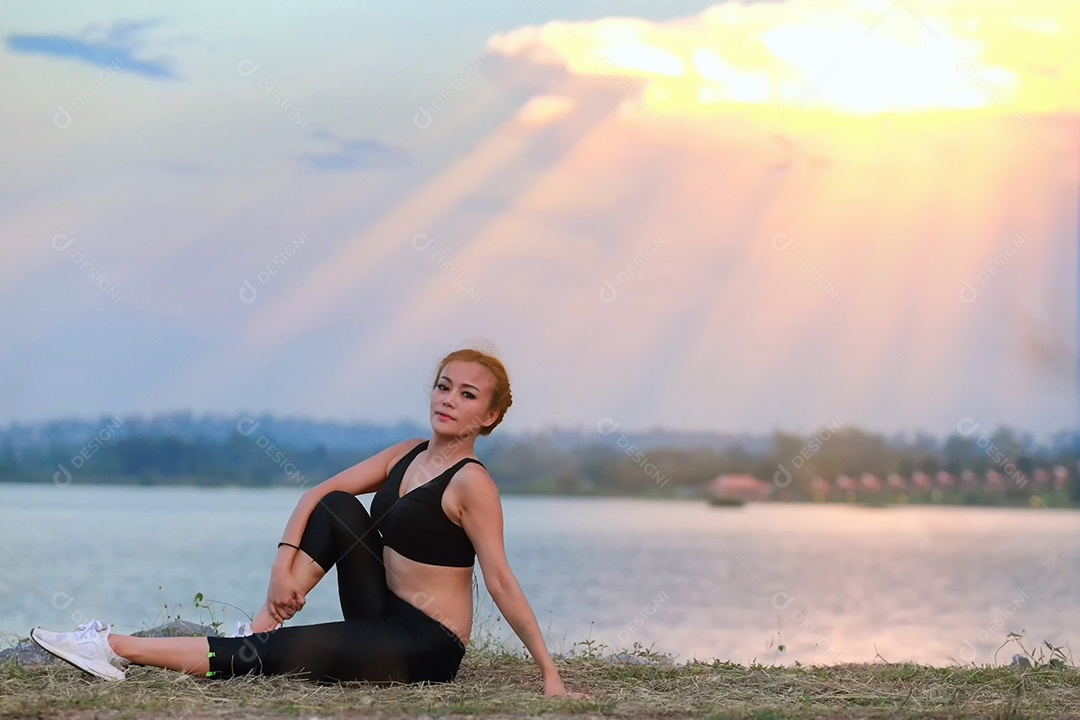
(812, 208)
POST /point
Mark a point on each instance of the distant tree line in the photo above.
(612, 464)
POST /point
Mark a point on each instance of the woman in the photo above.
(404, 571)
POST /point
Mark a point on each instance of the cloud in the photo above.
(862, 58)
(116, 49)
(358, 154)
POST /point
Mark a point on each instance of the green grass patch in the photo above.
(494, 684)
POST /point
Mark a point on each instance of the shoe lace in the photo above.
(88, 631)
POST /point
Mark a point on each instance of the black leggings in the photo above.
(383, 638)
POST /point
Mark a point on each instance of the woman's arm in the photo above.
(284, 598)
(482, 519)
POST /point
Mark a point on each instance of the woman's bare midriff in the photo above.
(443, 593)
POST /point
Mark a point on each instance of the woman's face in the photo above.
(461, 398)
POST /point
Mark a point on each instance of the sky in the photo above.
(696, 216)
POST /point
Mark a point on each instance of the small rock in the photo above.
(178, 628)
(1020, 661)
(27, 654)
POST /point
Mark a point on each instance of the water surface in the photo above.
(829, 583)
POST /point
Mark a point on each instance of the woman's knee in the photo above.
(339, 496)
(339, 501)
(345, 508)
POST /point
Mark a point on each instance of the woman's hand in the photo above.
(553, 687)
(284, 597)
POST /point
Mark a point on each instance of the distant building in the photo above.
(738, 488)
(846, 483)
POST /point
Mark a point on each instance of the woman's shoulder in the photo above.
(397, 452)
(473, 476)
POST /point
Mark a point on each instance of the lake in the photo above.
(829, 583)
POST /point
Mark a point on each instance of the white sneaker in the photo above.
(87, 649)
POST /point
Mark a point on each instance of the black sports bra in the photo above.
(415, 525)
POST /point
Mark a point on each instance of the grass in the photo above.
(500, 684)
(496, 682)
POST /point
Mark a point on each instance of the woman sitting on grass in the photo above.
(404, 571)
